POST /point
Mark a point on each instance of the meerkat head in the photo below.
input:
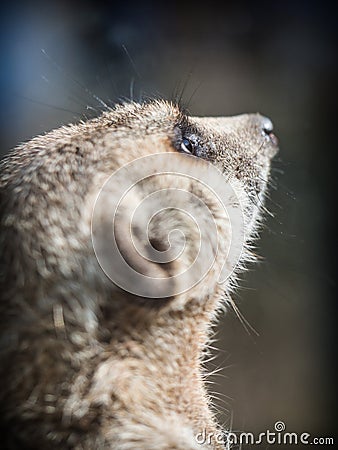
(186, 202)
(143, 202)
(119, 237)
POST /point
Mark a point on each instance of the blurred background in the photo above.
(61, 60)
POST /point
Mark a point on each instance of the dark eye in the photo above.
(187, 146)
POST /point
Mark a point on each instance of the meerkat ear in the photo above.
(156, 225)
(130, 258)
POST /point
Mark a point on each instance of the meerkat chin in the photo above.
(119, 238)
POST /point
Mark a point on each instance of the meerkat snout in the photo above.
(267, 129)
(120, 236)
(267, 125)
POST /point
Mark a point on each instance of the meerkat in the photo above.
(92, 358)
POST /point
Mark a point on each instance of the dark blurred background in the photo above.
(278, 58)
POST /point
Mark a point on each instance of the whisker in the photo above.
(193, 94)
(246, 325)
(131, 89)
(48, 105)
(74, 80)
(187, 79)
(131, 62)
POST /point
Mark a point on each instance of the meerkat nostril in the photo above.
(267, 125)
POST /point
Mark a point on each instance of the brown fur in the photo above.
(84, 364)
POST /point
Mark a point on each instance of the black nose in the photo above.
(267, 128)
(267, 125)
